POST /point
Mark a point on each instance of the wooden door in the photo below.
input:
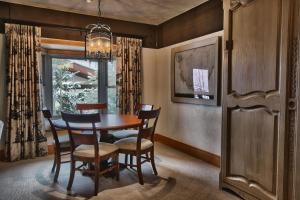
(254, 98)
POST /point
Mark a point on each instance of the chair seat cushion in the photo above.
(88, 151)
(125, 133)
(131, 144)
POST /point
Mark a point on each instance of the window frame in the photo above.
(48, 79)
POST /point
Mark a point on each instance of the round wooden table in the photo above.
(108, 122)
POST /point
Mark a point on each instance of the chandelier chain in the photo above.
(99, 9)
(98, 39)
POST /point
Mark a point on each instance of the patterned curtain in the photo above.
(129, 83)
(25, 136)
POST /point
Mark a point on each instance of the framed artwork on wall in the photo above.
(195, 72)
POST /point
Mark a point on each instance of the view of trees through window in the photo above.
(76, 81)
(111, 87)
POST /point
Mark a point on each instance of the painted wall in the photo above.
(149, 75)
(2, 86)
(196, 125)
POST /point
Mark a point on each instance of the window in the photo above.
(74, 80)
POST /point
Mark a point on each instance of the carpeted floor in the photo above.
(180, 177)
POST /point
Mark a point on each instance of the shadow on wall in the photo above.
(2, 87)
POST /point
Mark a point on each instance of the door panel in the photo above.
(253, 144)
(254, 98)
(254, 56)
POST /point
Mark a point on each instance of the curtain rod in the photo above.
(81, 30)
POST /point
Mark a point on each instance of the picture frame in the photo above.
(195, 70)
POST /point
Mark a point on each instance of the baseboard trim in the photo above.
(190, 150)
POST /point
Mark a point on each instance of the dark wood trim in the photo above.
(2, 155)
(62, 42)
(190, 150)
(201, 20)
(65, 25)
(65, 52)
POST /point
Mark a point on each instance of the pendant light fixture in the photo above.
(98, 39)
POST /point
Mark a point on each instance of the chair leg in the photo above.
(97, 168)
(126, 160)
(72, 174)
(117, 170)
(131, 161)
(58, 163)
(139, 169)
(54, 163)
(153, 161)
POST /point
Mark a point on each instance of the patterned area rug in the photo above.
(180, 177)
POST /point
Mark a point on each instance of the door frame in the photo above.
(295, 147)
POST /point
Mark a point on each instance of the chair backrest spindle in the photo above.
(82, 139)
(150, 119)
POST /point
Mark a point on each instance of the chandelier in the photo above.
(98, 39)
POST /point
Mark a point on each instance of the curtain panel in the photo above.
(25, 136)
(129, 76)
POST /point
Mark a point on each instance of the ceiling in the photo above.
(144, 11)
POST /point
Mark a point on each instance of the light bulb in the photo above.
(107, 44)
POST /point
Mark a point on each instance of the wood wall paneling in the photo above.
(202, 20)
(54, 23)
(2, 155)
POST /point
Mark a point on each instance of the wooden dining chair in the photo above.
(91, 106)
(86, 149)
(100, 107)
(121, 134)
(132, 132)
(143, 144)
(62, 145)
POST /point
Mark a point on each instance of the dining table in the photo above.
(109, 122)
